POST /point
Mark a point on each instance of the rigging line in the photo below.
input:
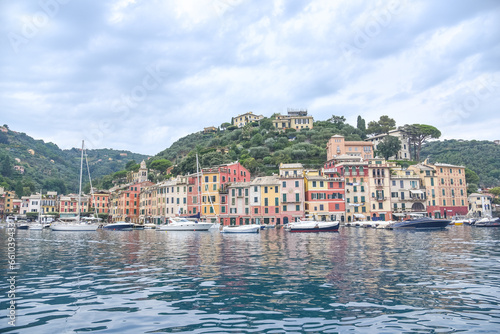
(90, 180)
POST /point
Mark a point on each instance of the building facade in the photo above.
(338, 147)
(295, 119)
(404, 152)
(242, 120)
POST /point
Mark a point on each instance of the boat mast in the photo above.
(80, 189)
(199, 184)
(40, 208)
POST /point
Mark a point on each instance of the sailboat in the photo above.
(79, 225)
(185, 224)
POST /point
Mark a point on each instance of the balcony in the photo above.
(379, 198)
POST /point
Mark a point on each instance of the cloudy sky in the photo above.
(138, 75)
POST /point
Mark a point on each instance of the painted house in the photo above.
(265, 200)
(356, 185)
(291, 177)
(337, 146)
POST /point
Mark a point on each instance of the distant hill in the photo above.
(49, 167)
(483, 157)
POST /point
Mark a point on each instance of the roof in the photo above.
(263, 180)
(297, 165)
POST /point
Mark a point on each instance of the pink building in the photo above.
(291, 177)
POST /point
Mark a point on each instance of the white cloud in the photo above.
(418, 62)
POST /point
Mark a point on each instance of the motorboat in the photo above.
(488, 222)
(382, 224)
(184, 224)
(74, 226)
(421, 223)
(39, 226)
(251, 228)
(119, 226)
(149, 226)
(313, 226)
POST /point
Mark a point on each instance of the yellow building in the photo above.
(265, 200)
(49, 203)
(295, 119)
(379, 172)
(242, 120)
(210, 198)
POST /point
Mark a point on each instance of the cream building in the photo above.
(295, 119)
(479, 205)
(242, 120)
(404, 152)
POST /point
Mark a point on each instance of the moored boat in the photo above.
(74, 226)
(421, 223)
(313, 226)
(119, 226)
(488, 222)
(184, 224)
(251, 228)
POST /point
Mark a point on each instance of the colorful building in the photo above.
(265, 200)
(338, 147)
(291, 177)
(479, 205)
(324, 196)
(379, 172)
(242, 120)
(99, 202)
(446, 189)
(357, 193)
(238, 205)
(404, 152)
(295, 119)
(407, 194)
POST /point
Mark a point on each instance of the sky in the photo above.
(138, 75)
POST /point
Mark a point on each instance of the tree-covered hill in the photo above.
(48, 167)
(259, 147)
(483, 157)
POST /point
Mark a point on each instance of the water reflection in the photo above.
(358, 279)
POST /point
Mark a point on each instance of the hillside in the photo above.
(260, 148)
(51, 168)
(483, 157)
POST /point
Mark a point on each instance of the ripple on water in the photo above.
(358, 280)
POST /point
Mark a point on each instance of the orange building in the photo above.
(337, 146)
(100, 202)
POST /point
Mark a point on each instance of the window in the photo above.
(266, 202)
(297, 199)
(276, 210)
(255, 199)
(266, 210)
(214, 178)
(256, 211)
(297, 207)
(284, 208)
(337, 207)
(380, 206)
(223, 209)
(321, 207)
(314, 183)
(283, 184)
(265, 190)
(206, 178)
(276, 199)
(276, 189)
(284, 198)
(296, 184)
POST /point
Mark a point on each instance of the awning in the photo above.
(359, 215)
(420, 192)
(399, 214)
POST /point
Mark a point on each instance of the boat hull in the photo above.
(74, 227)
(185, 227)
(119, 227)
(241, 229)
(427, 224)
(304, 227)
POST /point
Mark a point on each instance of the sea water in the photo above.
(357, 280)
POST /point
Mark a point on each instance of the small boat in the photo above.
(421, 223)
(184, 224)
(313, 226)
(38, 226)
(381, 224)
(119, 226)
(488, 222)
(251, 228)
(22, 225)
(149, 226)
